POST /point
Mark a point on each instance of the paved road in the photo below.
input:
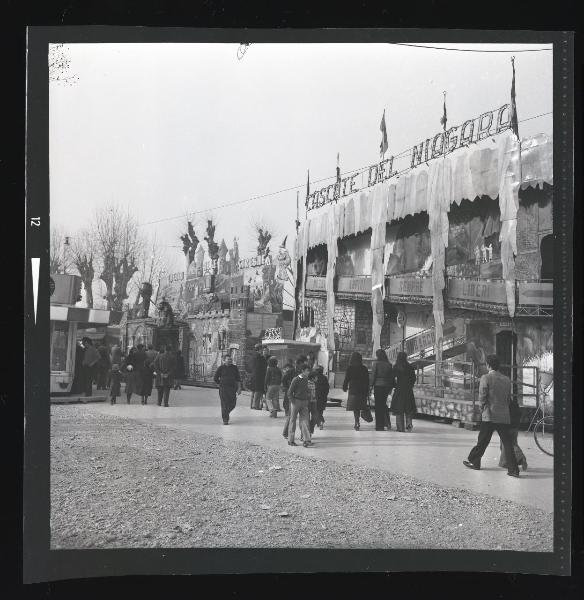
(433, 452)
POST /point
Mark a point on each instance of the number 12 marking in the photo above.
(35, 221)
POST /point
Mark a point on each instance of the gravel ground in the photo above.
(117, 483)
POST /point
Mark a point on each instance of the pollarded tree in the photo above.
(59, 257)
(83, 250)
(119, 246)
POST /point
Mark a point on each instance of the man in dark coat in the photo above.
(103, 366)
(164, 366)
(495, 400)
(260, 366)
(229, 382)
(90, 360)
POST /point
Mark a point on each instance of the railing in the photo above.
(447, 374)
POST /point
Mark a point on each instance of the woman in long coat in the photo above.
(381, 382)
(403, 402)
(357, 383)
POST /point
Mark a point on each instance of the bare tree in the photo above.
(59, 65)
(83, 256)
(151, 262)
(119, 246)
(59, 257)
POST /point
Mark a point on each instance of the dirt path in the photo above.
(118, 483)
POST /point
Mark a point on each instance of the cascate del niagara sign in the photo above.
(443, 143)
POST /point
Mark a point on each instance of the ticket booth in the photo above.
(65, 318)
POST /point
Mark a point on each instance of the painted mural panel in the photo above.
(410, 245)
(354, 256)
(316, 261)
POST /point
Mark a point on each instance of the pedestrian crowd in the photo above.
(141, 370)
(304, 390)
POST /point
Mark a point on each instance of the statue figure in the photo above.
(165, 313)
(283, 261)
(146, 293)
(484, 252)
(490, 252)
(477, 253)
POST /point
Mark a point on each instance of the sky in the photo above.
(172, 129)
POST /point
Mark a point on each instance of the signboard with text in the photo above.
(409, 286)
(490, 292)
(316, 283)
(536, 293)
(352, 285)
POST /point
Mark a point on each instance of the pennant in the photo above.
(444, 119)
(307, 187)
(338, 169)
(384, 145)
(513, 120)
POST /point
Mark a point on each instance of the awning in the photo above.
(82, 315)
(467, 174)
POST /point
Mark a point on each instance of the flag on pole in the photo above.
(338, 169)
(384, 145)
(444, 118)
(513, 116)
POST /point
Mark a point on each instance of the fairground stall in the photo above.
(66, 319)
(458, 242)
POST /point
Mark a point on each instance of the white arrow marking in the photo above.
(36, 263)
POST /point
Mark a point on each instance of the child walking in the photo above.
(115, 383)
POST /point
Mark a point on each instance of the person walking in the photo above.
(103, 366)
(357, 383)
(515, 418)
(312, 407)
(287, 376)
(403, 403)
(115, 383)
(147, 373)
(129, 368)
(180, 370)
(229, 382)
(164, 366)
(78, 384)
(273, 382)
(299, 396)
(495, 399)
(90, 360)
(260, 366)
(382, 384)
(322, 388)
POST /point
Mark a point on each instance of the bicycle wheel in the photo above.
(543, 433)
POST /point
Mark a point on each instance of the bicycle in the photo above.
(543, 424)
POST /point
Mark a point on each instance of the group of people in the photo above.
(303, 387)
(141, 370)
(385, 378)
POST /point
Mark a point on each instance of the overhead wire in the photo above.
(469, 49)
(358, 170)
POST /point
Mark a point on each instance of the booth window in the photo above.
(59, 345)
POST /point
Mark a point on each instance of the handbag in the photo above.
(366, 415)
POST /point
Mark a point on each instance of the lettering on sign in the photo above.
(479, 291)
(410, 286)
(489, 123)
(255, 261)
(355, 284)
